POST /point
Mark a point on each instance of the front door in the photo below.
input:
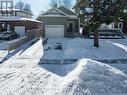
(70, 27)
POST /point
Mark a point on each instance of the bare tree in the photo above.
(20, 5)
(54, 3)
(23, 7)
(65, 3)
(27, 8)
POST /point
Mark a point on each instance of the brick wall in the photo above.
(28, 25)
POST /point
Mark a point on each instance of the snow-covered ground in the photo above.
(83, 48)
(22, 74)
(93, 78)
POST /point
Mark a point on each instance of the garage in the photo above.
(54, 30)
(20, 30)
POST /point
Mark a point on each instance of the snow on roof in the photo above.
(54, 11)
(27, 19)
(53, 15)
(13, 18)
(69, 10)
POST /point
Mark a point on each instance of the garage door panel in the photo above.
(54, 30)
(20, 30)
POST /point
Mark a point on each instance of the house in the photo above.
(60, 22)
(122, 25)
(16, 20)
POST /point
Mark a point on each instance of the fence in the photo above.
(34, 33)
(30, 34)
(17, 43)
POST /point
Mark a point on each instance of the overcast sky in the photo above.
(37, 5)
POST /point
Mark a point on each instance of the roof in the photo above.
(54, 12)
(13, 18)
(66, 10)
(59, 12)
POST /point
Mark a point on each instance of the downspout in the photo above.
(79, 26)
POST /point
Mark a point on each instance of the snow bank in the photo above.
(94, 78)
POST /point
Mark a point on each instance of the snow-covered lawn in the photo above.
(83, 48)
(22, 74)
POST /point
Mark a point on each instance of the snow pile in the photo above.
(94, 78)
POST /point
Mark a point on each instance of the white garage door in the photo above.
(54, 30)
(20, 30)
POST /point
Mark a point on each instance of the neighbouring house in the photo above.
(122, 25)
(15, 19)
(119, 25)
(60, 22)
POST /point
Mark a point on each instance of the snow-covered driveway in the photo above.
(21, 74)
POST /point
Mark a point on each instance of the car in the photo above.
(8, 35)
